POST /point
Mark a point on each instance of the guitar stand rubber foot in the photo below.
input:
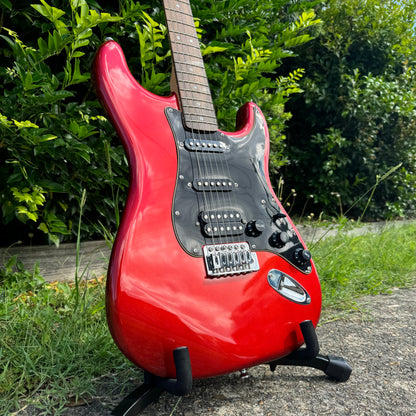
(334, 367)
(153, 386)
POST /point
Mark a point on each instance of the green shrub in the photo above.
(355, 120)
(56, 141)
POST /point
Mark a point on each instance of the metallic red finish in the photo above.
(158, 297)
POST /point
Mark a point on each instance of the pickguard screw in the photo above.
(181, 177)
(177, 213)
(189, 185)
(263, 201)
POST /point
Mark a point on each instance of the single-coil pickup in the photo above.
(200, 145)
(214, 184)
(222, 223)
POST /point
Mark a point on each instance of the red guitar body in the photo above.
(160, 294)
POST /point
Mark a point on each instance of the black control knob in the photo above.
(255, 227)
(279, 239)
(302, 256)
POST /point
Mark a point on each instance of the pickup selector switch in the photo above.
(279, 239)
(255, 227)
(302, 256)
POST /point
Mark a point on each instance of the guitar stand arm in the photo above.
(334, 367)
(153, 386)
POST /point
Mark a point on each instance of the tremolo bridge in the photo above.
(229, 258)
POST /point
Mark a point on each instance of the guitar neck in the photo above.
(192, 83)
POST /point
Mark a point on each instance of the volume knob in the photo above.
(279, 238)
(255, 227)
(302, 256)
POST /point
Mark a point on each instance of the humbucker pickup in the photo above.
(229, 258)
(221, 223)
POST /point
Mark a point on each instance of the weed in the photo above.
(54, 342)
(350, 266)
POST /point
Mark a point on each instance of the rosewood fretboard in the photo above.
(192, 83)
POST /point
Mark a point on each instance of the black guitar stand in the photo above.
(334, 367)
(153, 386)
(149, 392)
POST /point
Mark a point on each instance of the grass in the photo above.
(350, 266)
(55, 346)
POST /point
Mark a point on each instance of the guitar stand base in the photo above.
(149, 392)
(334, 367)
(153, 386)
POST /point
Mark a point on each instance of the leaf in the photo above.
(47, 137)
(51, 13)
(6, 3)
(25, 124)
(43, 47)
(213, 49)
(298, 40)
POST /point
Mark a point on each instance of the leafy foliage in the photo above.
(56, 141)
(52, 137)
(355, 120)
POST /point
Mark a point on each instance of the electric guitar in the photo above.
(206, 256)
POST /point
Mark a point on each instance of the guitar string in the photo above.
(216, 163)
(174, 38)
(218, 198)
(202, 170)
(205, 172)
(207, 169)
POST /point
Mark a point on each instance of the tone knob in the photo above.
(279, 238)
(255, 227)
(302, 256)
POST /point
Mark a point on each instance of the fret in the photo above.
(196, 91)
(175, 7)
(192, 84)
(202, 121)
(185, 58)
(188, 102)
(198, 113)
(191, 72)
(180, 24)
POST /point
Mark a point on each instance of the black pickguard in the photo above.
(222, 181)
